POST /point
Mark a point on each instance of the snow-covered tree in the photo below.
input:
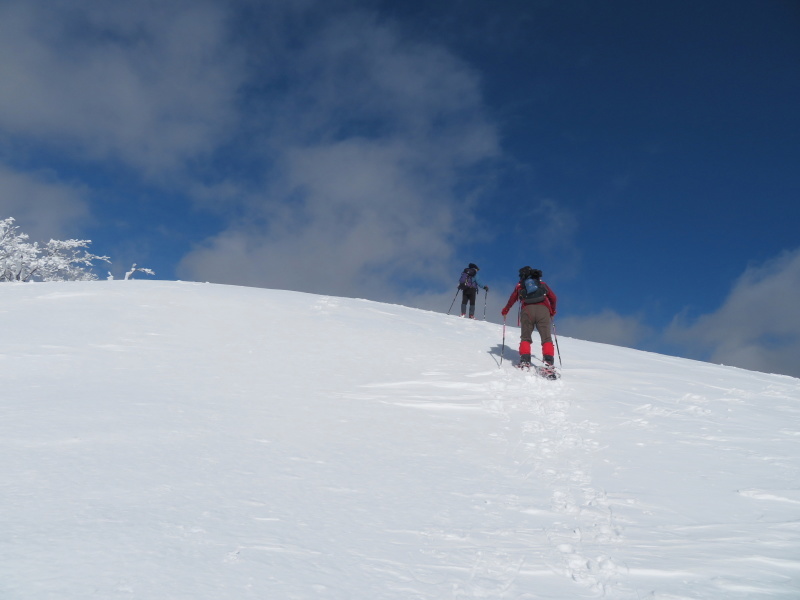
(135, 269)
(57, 260)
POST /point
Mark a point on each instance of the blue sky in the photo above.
(643, 155)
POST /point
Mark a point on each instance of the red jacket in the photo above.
(549, 301)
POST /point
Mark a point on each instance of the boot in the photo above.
(548, 360)
(525, 360)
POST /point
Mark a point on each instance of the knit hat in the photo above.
(473, 266)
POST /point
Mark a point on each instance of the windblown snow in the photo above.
(168, 440)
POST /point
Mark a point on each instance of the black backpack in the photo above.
(531, 289)
(466, 281)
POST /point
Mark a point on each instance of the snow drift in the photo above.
(168, 440)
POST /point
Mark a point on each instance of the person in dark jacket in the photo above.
(469, 285)
(538, 310)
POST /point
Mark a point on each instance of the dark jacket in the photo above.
(475, 281)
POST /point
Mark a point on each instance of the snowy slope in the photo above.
(166, 440)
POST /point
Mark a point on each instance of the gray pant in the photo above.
(468, 296)
(538, 316)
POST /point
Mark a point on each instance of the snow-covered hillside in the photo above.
(166, 440)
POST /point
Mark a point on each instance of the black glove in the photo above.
(486, 287)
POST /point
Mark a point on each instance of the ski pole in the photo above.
(555, 337)
(453, 302)
(503, 351)
(485, 298)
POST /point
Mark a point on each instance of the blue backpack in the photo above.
(531, 290)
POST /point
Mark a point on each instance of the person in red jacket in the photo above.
(538, 309)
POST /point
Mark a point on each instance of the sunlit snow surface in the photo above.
(166, 440)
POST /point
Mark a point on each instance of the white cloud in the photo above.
(607, 327)
(350, 148)
(556, 225)
(42, 207)
(149, 84)
(551, 228)
(758, 325)
(369, 139)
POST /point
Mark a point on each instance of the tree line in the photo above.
(56, 260)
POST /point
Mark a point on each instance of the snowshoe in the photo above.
(548, 372)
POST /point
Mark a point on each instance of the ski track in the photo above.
(549, 446)
(574, 536)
